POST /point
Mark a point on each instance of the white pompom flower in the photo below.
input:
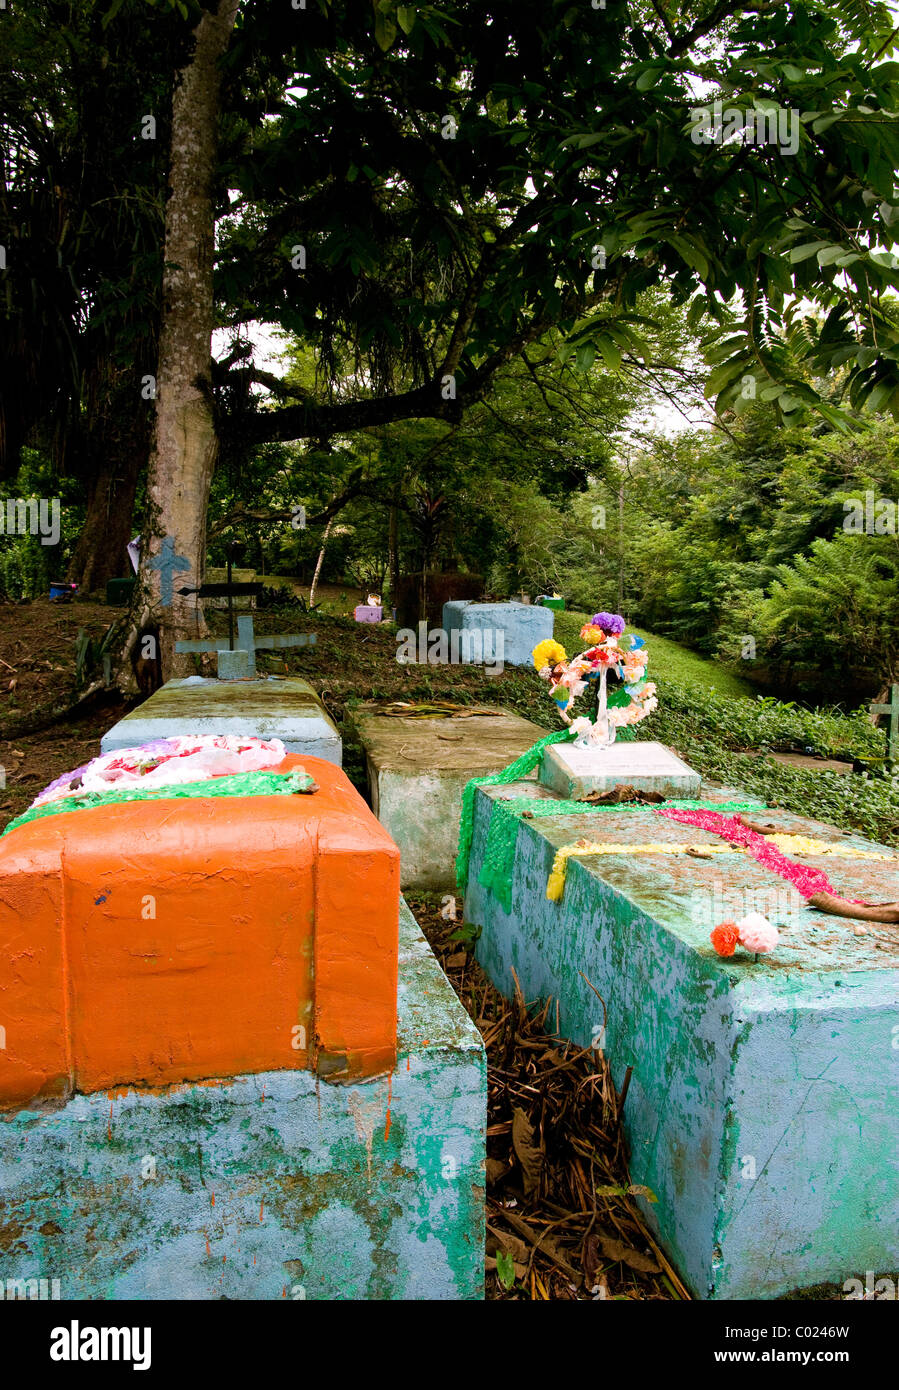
(757, 933)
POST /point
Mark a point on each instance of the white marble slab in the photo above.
(647, 767)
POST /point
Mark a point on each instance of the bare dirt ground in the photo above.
(37, 671)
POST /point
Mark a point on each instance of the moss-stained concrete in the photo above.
(647, 767)
(283, 707)
(417, 771)
(267, 1186)
(764, 1105)
(512, 629)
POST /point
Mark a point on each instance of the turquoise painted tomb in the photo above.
(505, 633)
(763, 1108)
(266, 1186)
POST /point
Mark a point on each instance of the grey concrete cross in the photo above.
(249, 643)
(892, 709)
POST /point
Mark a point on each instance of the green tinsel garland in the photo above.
(520, 768)
(495, 872)
(240, 784)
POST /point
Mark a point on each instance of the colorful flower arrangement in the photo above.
(165, 762)
(604, 656)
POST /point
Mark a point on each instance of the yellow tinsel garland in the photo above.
(796, 844)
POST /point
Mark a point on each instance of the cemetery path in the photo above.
(560, 1222)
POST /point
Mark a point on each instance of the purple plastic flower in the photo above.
(66, 779)
(611, 623)
(63, 784)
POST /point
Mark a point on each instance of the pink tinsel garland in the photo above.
(805, 880)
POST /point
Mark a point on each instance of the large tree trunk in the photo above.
(100, 553)
(183, 456)
(117, 452)
(393, 549)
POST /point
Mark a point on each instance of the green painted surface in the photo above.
(763, 1108)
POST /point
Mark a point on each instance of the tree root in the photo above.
(865, 912)
(41, 718)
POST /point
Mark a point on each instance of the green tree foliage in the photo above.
(842, 600)
(427, 196)
(84, 108)
(433, 190)
(769, 533)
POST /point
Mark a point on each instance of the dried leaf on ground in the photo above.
(567, 1096)
(591, 1257)
(633, 1189)
(516, 1247)
(617, 1250)
(529, 1155)
(496, 1170)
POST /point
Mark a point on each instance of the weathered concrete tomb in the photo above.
(283, 707)
(186, 970)
(165, 940)
(763, 1107)
(269, 1184)
(491, 633)
(417, 770)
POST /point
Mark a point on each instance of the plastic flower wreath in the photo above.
(605, 656)
(167, 762)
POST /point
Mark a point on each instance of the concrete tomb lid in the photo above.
(414, 745)
(575, 772)
(267, 707)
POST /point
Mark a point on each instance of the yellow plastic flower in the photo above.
(590, 633)
(547, 653)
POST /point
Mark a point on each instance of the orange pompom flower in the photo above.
(725, 937)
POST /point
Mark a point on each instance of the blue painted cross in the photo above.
(168, 564)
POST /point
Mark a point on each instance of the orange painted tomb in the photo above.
(159, 941)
